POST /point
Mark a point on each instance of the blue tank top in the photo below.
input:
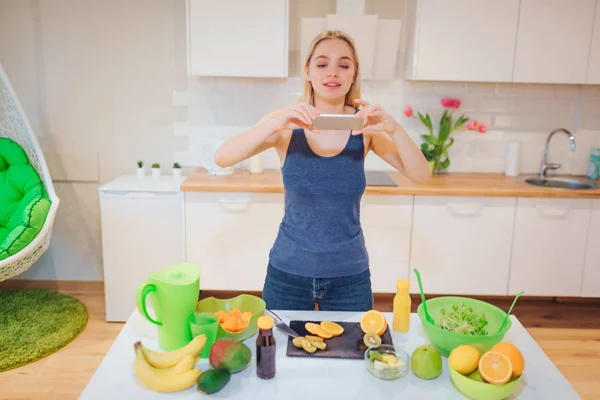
(320, 235)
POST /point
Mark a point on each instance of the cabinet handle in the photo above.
(234, 205)
(553, 211)
(464, 208)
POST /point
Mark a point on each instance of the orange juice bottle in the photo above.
(402, 305)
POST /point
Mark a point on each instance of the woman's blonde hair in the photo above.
(308, 94)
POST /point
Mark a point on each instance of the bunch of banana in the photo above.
(170, 371)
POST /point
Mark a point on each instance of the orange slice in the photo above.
(310, 327)
(322, 332)
(373, 321)
(332, 327)
(495, 368)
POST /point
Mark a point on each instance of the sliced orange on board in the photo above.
(332, 327)
(495, 368)
(310, 327)
(322, 332)
(373, 321)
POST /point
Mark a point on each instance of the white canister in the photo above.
(256, 164)
(513, 153)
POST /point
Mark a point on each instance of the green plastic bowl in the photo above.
(445, 341)
(245, 302)
(480, 390)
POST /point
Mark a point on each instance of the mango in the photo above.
(230, 355)
(213, 380)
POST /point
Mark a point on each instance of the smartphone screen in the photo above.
(341, 122)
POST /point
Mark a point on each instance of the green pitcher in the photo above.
(174, 293)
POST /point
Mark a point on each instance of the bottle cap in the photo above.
(402, 284)
(265, 322)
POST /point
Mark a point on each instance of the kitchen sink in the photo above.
(562, 183)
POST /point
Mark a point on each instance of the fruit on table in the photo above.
(174, 379)
(464, 359)
(159, 359)
(426, 362)
(235, 320)
(325, 334)
(514, 355)
(309, 343)
(373, 321)
(495, 368)
(213, 380)
(385, 361)
(230, 355)
(332, 327)
(371, 339)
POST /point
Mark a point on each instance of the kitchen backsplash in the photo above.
(217, 108)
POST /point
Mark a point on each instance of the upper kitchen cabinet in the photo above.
(593, 76)
(463, 40)
(553, 41)
(238, 38)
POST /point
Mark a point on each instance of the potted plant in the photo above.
(176, 170)
(156, 170)
(140, 169)
(435, 147)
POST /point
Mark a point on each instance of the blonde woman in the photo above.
(319, 258)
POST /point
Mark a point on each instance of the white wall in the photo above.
(103, 83)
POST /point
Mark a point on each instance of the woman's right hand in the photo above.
(297, 115)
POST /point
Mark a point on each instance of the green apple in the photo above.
(476, 376)
(426, 362)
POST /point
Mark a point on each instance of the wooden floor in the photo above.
(568, 332)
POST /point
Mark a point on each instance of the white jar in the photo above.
(256, 164)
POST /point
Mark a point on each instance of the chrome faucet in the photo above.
(545, 165)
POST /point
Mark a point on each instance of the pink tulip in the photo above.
(408, 111)
(456, 103)
(472, 125)
(447, 102)
(482, 128)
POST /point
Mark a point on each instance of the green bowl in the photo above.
(480, 390)
(445, 341)
(244, 302)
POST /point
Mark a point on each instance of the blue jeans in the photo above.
(285, 291)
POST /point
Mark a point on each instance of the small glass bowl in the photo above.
(388, 374)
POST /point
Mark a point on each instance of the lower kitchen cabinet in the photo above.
(387, 223)
(462, 245)
(591, 273)
(549, 246)
(229, 236)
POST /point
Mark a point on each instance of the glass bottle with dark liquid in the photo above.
(265, 348)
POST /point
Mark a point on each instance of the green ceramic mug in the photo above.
(174, 293)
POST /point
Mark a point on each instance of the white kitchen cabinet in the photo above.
(591, 273)
(461, 245)
(238, 38)
(387, 224)
(229, 236)
(553, 41)
(549, 246)
(142, 224)
(463, 40)
(593, 72)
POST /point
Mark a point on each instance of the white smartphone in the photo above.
(340, 122)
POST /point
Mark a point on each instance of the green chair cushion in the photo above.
(24, 203)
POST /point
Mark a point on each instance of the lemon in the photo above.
(464, 359)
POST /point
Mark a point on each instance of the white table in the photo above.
(312, 379)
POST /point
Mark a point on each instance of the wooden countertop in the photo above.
(451, 184)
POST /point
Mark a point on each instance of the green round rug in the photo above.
(36, 323)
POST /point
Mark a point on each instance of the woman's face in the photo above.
(331, 69)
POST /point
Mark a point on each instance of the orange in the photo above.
(310, 327)
(322, 332)
(373, 321)
(514, 355)
(495, 368)
(332, 327)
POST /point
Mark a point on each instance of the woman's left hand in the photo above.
(376, 119)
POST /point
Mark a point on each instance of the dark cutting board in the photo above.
(348, 345)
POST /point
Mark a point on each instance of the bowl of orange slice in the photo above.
(493, 375)
(238, 316)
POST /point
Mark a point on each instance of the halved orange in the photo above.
(310, 327)
(373, 321)
(322, 332)
(332, 327)
(495, 368)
